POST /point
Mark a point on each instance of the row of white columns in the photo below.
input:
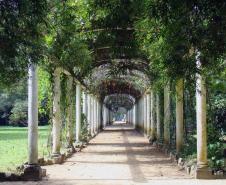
(142, 115)
(92, 111)
(145, 114)
(107, 116)
(131, 116)
(87, 104)
(148, 119)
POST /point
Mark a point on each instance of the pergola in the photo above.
(119, 78)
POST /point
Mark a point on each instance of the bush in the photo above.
(215, 155)
(190, 147)
(219, 109)
(216, 130)
(84, 129)
(19, 113)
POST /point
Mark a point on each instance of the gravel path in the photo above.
(118, 155)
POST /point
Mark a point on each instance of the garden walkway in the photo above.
(118, 155)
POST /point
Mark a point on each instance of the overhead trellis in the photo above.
(115, 101)
(107, 59)
(119, 65)
(107, 80)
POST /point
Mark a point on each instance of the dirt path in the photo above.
(118, 155)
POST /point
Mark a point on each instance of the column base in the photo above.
(152, 140)
(204, 173)
(71, 149)
(32, 172)
(57, 158)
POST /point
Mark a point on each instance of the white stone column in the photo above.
(202, 163)
(138, 114)
(106, 109)
(145, 113)
(148, 114)
(98, 116)
(94, 115)
(56, 113)
(167, 115)
(142, 112)
(134, 116)
(179, 115)
(89, 113)
(78, 112)
(129, 117)
(69, 112)
(152, 115)
(108, 116)
(84, 103)
(32, 171)
(158, 118)
(32, 115)
(103, 115)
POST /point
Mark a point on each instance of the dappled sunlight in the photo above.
(116, 154)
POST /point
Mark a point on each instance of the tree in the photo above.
(21, 36)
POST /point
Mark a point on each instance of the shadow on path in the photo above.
(134, 166)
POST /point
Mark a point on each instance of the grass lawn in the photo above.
(13, 146)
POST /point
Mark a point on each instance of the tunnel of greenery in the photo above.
(121, 55)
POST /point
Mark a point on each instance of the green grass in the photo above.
(13, 146)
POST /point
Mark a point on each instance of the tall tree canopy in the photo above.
(21, 36)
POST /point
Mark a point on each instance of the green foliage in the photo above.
(44, 94)
(190, 147)
(66, 40)
(21, 31)
(216, 117)
(169, 31)
(219, 110)
(215, 155)
(84, 129)
(9, 97)
(217, 100)
(18, 115)
(15, 97)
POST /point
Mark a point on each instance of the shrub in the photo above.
(84, 129)
(215, 155)
(18, 115)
